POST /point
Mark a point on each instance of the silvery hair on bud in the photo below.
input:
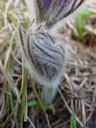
(44, 58)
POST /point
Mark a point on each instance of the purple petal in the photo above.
(55, 10)
(46, 3)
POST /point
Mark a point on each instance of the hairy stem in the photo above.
(49, 94)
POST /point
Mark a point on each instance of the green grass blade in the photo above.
(11, 100)
(23, 94)
(73, 122)
(41, 105)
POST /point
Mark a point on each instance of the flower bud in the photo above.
(52, 11)
(44, 59)
(45, 55)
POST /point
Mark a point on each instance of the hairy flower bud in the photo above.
(44, 59)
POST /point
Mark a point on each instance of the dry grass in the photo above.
(77, 92)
